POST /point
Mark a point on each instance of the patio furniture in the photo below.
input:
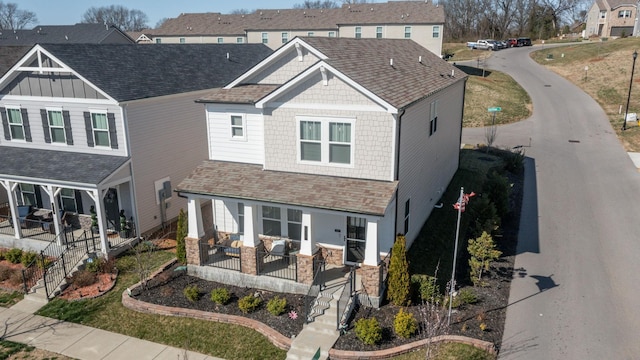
(234, 249)
(25, 213)
(278, 248)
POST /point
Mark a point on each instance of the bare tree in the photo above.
(127, 20)
(161, 22)
(316, 4)
(241, 11)
(12, 18)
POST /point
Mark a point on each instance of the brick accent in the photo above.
(305, 267)
(248, 260)
(194, 255)
(332, 256)
(371, 278)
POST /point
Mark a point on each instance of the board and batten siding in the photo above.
(285, 68)
(77, 121)
(223, 146)
(168, 139)
(372, 141)
(428, 163)
(225, 215)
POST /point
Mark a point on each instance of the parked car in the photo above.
(512, 42)
(524, 41)
(485, 45)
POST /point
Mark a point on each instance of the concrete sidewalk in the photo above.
(79, 341)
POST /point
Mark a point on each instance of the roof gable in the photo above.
(129, 72)
(65, 34)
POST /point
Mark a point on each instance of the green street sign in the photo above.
(316, 356)
(494, 109)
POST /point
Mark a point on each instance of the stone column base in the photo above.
(371, 276)
(305, 267)
(194, 251)
(248, 260)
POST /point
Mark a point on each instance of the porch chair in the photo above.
(25, 213)
(278, 248)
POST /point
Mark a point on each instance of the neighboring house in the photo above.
(333, 145)
(66, 34)
(612, 18)
(109, 127)
(420, 21)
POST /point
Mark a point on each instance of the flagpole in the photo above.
(455, 255)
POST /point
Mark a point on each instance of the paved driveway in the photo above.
(575, 292)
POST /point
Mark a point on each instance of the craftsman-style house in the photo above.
(327, 149)
(94, 135)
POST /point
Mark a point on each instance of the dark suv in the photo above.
(524, 41)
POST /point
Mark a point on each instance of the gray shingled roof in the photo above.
(61, 34)
(129, 71)
(251, 182)
(9, 55)
(392, 12)
(58, 165)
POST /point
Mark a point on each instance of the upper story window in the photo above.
(407, 32)
(624, 13)
(237, 127)
(182, 40)
(100, 129)
(285, 37)
(332, 34)
(326, 141)
(239, 40)
(16, 127)
(603, 14)
(220, 40)
(310, 33)
(358, 32)
(433, 118)
(56, 126)
(158, 40)
(265, 38)
(378, 32)
(436, 32)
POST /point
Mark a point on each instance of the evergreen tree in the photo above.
(181, 233)
(399, 285)
(483, 252)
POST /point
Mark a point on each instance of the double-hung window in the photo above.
(407, 32)
(28, 192)
(56, 126)
(100, 127)
(158, 40)
(624, 13)
(358, 32)
(271, 221)
(68, 197)
(265, 38)
(436, 32)
(237, 127)
(378, 32)
(310, 33)
(239, 40)
(294, 224)
(603, 14)
(326, 140)
(332, 34)
(285, 37)
(220, 40)
(16, 127)
(182, 40)
(433, 118)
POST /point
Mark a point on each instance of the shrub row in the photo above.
(18, 256)
(369, 331)
(250, 303)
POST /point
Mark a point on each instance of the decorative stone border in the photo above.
(114, 277)
(278, 339)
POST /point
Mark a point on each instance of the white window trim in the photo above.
(290, 221)
(331, 34)
(285, 37)
(433, 118)
(282, 221)
(22, 192)
(220, 40)
(435, 32)
(59, 109)
(310, 33)
(73, 196)
(244, 127)
(264, 37)
(407, 30)
(93, 130)
(324, 140)
(381, 32)
(239, 40)
(7, 108)
(358, 31)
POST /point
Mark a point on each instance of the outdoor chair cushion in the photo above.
(278, 247)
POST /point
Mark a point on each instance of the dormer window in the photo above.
(16, 127)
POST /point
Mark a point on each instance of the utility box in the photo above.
(632, 119)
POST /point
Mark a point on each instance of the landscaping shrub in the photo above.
(82, 278)
(514, 161)
(220, 296)
(93, 265)
(497, 188)
(14, 255)
(368, 330)
(483, 252)
(5, 273)
(181, 234)
(107, 266)
(467, 296)
(192, 293)
(44, 263)
(16, 278)
(249, 303)
(486, 217)
(277, 305)
(405, 324)
(28, 257)
(426, 287)
(399, 286)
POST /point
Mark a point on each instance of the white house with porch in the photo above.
(330, 145)
(92, 137)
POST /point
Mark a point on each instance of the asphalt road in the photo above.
(575, 292)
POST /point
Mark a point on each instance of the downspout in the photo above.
(397, 175)
(132, 187)
(462, 120)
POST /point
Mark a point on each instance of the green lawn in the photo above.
(448, 351)
(211, 338)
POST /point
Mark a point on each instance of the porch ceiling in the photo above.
(58, 165)
(251, 182)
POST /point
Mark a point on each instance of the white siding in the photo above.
(76, 114)
(427, 163)
(225, 215)
(325, 226)
(386, 228)
(168, 139)
(222, 146)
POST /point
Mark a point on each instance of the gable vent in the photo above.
(391, 61)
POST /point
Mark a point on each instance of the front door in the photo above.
(112, 209)
(356, 240)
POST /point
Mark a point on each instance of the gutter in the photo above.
(398, 137)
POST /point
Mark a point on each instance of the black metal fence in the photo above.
(346, 302)
(224, 257)
(278, 266)
(317, 285)
(384, 274)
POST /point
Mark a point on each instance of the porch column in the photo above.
(196, 230)
(52, 192)
(308, 242)
(102, 226)
(372, 251)
(11, 186)
(250, 226)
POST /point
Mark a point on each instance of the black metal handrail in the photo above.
(346, 300)
(316, 286)
(384, 274)
(221, 256)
